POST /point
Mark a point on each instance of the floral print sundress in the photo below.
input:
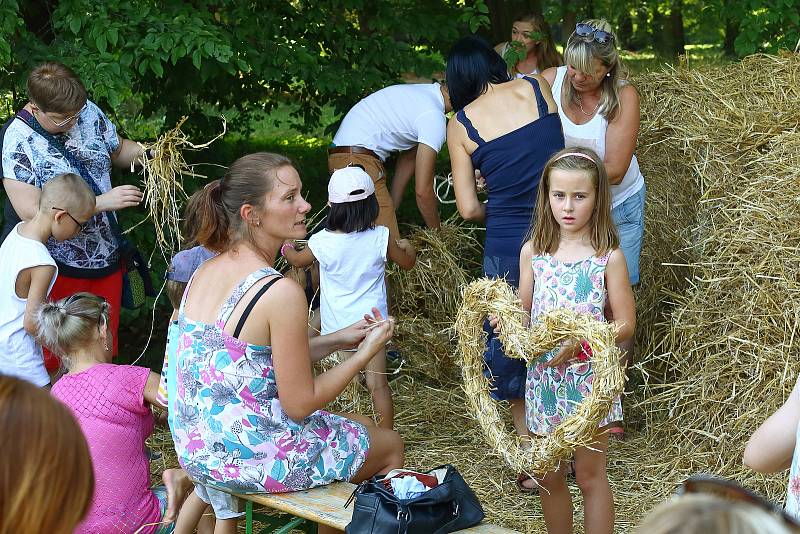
(228, 425)
(552, 393)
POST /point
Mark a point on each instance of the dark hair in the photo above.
(55, 87)
(471, 66)
(354, 216)
(217, 205)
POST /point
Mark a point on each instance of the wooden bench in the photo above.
(323, 505)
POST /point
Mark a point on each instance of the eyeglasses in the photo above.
(730, 490)
(587, 30)
(59, 124)
(81, 225)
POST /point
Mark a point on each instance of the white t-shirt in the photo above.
(20, 355)
(593, 135)
(352, 269)
(396, 118)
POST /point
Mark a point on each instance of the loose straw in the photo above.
(162, 182)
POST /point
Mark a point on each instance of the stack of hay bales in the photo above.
(721, 157)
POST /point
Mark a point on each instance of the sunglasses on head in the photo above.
(590, 32)
(731, 491)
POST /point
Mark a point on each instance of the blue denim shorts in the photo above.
(506, 375)
(629, 218)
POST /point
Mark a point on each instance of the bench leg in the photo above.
(299, 523)
(248, 527)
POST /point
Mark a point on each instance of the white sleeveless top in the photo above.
(20, 355)
(593, 135)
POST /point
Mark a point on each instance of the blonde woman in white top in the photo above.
(599, 110)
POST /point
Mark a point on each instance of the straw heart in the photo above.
(483, 297)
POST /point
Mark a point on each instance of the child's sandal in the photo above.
(521, 479)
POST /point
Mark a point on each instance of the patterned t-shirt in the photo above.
(29, 158)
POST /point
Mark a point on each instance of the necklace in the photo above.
(580, 105)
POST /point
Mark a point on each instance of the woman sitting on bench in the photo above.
(248, 409)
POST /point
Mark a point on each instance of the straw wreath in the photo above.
(486, 296)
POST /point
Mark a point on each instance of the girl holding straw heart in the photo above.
(572, 260)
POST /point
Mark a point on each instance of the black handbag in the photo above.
(448, 507)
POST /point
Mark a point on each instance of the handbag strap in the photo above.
(403, 518)
(25, 116)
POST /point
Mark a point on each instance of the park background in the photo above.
(284, 73)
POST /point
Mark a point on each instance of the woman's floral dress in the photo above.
(228, 425)
(553, 392)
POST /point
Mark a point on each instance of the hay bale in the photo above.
(444, 266)
(425, 299)
(428, 349)
(722, 346)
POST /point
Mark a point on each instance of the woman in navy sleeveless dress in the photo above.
(507, 129)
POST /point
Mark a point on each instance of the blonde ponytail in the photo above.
(71, 322)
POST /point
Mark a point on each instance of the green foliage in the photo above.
(476, 16)
(751, 25)
(766, 25)
(515, 52)
(202, 57)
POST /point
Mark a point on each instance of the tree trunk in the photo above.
(731, 29)
(676, 27)
(568, 20)
(625, 30)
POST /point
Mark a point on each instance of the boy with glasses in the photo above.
(28, 272)
(60, 130)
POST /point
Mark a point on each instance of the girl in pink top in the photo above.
(111, 403)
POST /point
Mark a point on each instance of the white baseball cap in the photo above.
(349, 184)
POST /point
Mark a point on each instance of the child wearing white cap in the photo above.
(352, 253)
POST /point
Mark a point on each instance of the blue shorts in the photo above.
(506, 375)
(629, 218)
